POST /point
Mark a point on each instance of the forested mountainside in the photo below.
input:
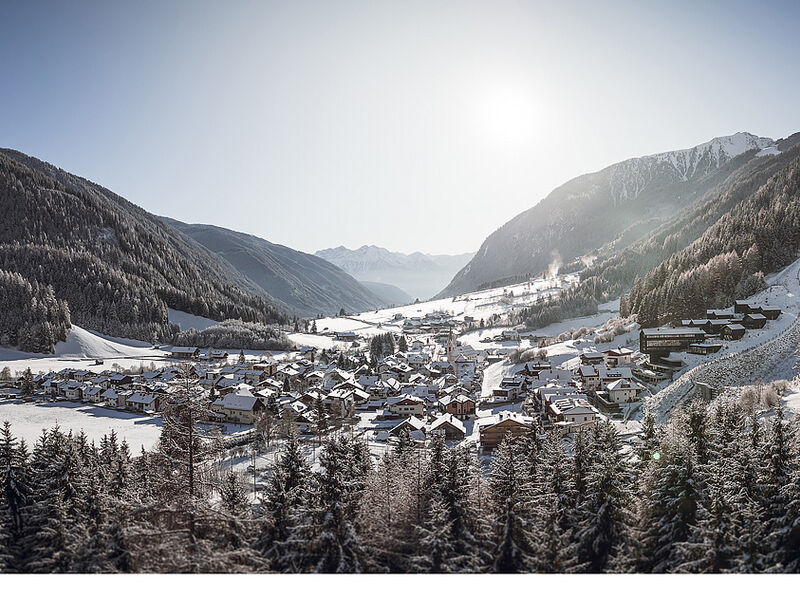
(305, 284)
(604, 211)
(420, 275)
(761, 234)
(115, 266)
(717, 249)
(31, 317)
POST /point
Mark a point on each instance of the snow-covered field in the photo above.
(80, 350)
(317, 341)
(792, 405)
(479, 305)
(28, 420)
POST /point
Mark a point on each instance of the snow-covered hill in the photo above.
(81, 349)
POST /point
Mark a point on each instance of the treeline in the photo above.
(235, 334)
(571, 302)
(382, 345)
(31, 317)
(715, 491)
(116, 266)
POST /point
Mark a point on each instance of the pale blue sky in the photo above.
(410, 125)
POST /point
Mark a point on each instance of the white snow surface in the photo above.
(188, 321)
(769, 151)
(316, 341)
(28, 421)
(80, 350)
(479, 305)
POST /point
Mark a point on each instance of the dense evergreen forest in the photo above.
(759, 235)
(116, 266)
(235, 334)
(715, 251)
(712, 491)
(31, 317)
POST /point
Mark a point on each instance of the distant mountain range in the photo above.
(302, 283)
(598, 214)
(419, 275)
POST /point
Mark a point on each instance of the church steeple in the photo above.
(451, 346)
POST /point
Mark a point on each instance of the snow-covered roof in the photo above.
(241, 399)
(447, 418)
(623, 384)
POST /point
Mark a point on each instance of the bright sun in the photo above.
(506, 113)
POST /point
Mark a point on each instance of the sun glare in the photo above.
(506, 113)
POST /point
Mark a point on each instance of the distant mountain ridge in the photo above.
(390, 294)
(420, 275)
(605, 211)
(304, 284)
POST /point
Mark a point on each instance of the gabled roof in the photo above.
(412, 422)
(445, 420)
(404, 399)
(239, 400)
(458, 399)
(623, 384)
(506, 417)
(141, 398)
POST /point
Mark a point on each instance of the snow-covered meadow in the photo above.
(29, 419)
(81, 350)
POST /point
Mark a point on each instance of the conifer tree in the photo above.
(512, 554)
(667, 511)
(603, 531)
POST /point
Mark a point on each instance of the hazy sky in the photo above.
(410, 125)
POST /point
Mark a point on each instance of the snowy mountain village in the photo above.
(426, 374)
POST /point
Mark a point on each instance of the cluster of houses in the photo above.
(428, 382)
(567, 398)
(433, 322)
(706, 335)
(434, 386)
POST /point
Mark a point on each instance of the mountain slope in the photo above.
(390, 294)
(605, 210)
(117, 267)
(718, 247)
(756, 231)
(306, 284)
(421, 275)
